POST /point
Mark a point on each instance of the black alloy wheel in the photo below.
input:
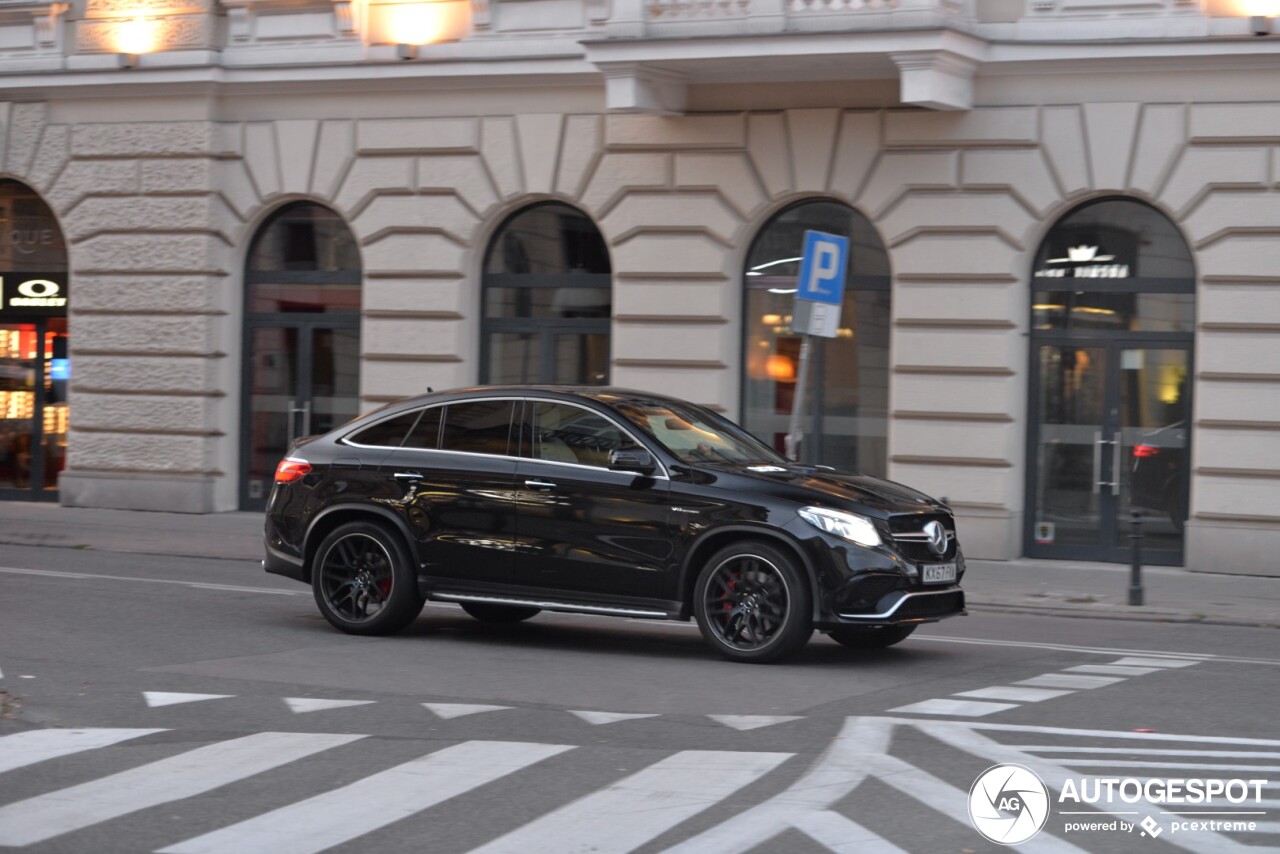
(751, 602)
(871, 637)
(487, 612)
(363, 580)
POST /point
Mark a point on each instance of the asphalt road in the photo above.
(152, 703)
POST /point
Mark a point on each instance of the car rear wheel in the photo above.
(751, 602)
(489, 613)
(871, 637)
(363, 580)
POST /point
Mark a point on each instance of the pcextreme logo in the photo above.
(1009, 804)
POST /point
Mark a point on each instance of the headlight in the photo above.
(847, 526)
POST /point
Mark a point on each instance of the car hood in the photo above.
(821, 485)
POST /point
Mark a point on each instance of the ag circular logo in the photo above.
(1008, 804)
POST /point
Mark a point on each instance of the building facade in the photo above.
(227, 224)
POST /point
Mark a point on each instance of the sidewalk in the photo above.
(1058, 588)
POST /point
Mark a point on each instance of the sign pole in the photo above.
(795, 433)
(819, 295)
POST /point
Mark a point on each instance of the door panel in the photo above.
(581, 526)
(273, 389)
(1110, 438)
(19, 362)
(1070, 449)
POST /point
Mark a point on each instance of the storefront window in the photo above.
(850, 373)
(548, 298)
(34, 364)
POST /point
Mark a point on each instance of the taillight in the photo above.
(1141, 451)
(290, 470)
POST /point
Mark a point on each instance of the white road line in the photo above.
(1107, 733)
(633, 811)
(1144, 751)
(1112, 669)
(199, 585)
(742, 723)
(842, 834)
(1017, 695)
(599, 718)
(37, 745)
(458, 710)
(1155, 662)
(172, 698)
(1192, 657)
(366, 805)
(302, 705)
(962, 708)
(182, 776)
(1067, 680)
(1199, 766)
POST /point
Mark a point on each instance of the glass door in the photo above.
(1109, 438)
(303, 379)
(33, 407)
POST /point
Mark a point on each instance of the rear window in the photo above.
(388, 433)
(477, 427)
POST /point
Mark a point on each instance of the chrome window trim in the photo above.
(662, 469)
(626, 432)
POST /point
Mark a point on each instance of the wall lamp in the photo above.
(1260, 25)
(407, 51)
(127, 60)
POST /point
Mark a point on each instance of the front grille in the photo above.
(912, 543)
(936, 605)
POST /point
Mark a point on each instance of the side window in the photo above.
(479, 427)
(388, 433)
(426, 433)
(570, 434)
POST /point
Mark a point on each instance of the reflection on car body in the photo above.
(512, 500)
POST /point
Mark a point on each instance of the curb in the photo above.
(1131, 616)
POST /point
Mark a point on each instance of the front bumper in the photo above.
(911, 606)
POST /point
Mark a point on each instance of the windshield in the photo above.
(695, 435)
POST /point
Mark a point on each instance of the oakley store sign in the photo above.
(33, 294)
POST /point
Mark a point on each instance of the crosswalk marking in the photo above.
(169, 698)
(302, 705)
(1019, 695)
(457, 710)
(1136, 661)
(1112, 669)
(749, 722)
(1069, 680)
(598, 718)
(963, 708)
(839, 833)
(182, 776)
(38, 745)
(633, 811)
(343, 814)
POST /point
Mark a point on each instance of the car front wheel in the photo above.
(871, 637)
(363, 580)
(751, 602)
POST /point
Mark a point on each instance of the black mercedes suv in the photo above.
(513, 500)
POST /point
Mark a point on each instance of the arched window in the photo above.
(302, 337)
(849, 396)
(547, 291)
(1112, 335)
(34, 366)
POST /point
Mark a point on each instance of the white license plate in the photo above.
(938, 573)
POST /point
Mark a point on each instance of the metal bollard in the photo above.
(1135, 575)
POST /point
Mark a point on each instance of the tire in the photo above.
(752, 603)
(871, 637)
(487, 612)
(364, 582)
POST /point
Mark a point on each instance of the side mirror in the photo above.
(632, 459)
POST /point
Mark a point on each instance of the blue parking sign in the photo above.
(822, 270)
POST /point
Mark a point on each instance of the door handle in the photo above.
(407, 475)
(1117, 446)
(539, 484)
(1097, 461)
